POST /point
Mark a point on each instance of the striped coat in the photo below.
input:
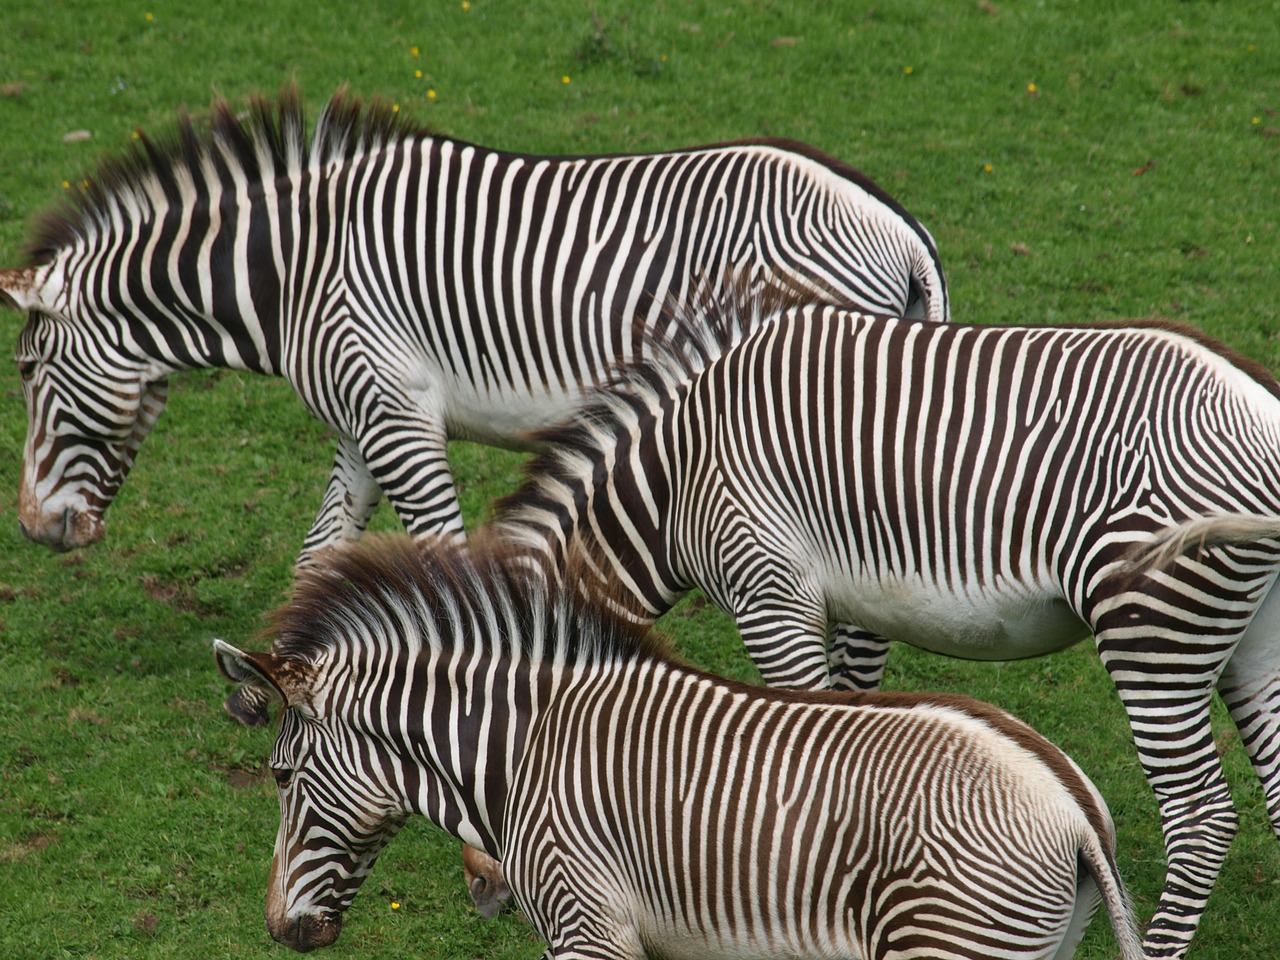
(646, 809)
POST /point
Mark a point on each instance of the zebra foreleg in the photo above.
(787, 643)
(483, 875)
(857, 658)
(408, 457)
(349, 502)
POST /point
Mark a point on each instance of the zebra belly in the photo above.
(1000, 621)
(502, 420)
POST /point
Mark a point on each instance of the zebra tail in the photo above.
(1102, 866)
(1196, 535)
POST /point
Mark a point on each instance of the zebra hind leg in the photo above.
(1250, 689)
(1167, 701)
(857, 658)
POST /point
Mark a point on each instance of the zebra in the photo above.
(971, 490)
(411, 288)
(645, 808)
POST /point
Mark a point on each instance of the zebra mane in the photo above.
(266, 141)
(389, 589)
(685, 340)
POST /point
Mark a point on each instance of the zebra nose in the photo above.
(308, 932)
(22, 528)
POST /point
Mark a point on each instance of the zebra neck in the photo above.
(202, 276)
(468, 739)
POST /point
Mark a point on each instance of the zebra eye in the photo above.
(283, 775)
(26, 369)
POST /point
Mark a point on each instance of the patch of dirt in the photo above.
(175, 594)
(146, 923)
(33, 843)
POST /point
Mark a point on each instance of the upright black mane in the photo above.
(267, 141)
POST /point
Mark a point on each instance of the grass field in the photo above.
(1074, 161)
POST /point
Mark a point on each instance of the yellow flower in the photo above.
(66, 185)
(466, 5)
(565, 78)
(1031, 88)
(1256, 120)
(908, 71)
(394, 905)
(431, 94)
(137, 135)
(395, 108)
(418, 74)
(150, 17)
(986, 168)
(413, 51)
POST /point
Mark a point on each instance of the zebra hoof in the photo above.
(248, 707)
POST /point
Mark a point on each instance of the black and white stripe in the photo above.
(642, 808)
(971, 490)
(410, 287)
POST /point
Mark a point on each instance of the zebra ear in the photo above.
(265, 671)
(17, 289)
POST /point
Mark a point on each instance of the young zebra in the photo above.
(970, 490)
(643, 808)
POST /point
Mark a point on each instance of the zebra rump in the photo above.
(642, 807)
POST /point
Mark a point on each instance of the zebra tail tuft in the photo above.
(1196, 535)
(1114, 896)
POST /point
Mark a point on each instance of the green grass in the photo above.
(135, 820)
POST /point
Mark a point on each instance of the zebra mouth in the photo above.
(63, 531)
(308, 932)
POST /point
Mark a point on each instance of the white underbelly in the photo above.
(505, 420)
(1000, 621)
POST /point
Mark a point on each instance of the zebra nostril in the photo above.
(22, 528)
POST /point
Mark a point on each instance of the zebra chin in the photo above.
(307, 932)
(61, 530)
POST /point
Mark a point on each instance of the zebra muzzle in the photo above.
(307, 932)
(62, 530)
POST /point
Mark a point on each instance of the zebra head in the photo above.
(329, 838)
(91, 400)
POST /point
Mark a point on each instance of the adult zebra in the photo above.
(971, 490)
(645, 809)
(410, 288)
